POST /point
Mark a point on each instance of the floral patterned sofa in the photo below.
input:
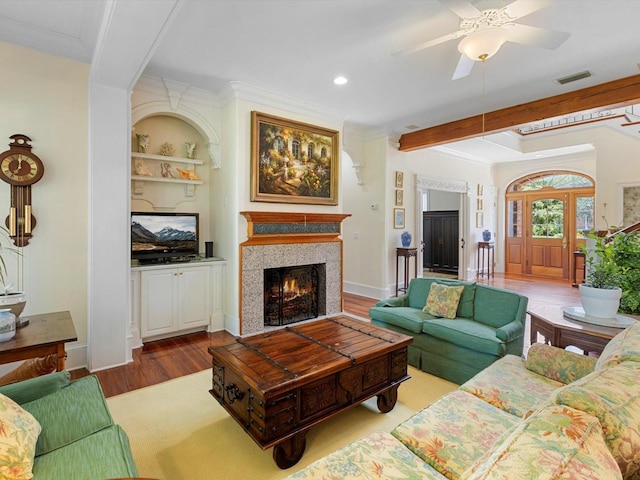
(555, 415)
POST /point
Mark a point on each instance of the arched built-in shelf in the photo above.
(166, 158)
(140, 179)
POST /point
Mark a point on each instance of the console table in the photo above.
(487, 267)
(406, 253)
(45, 334)
(578, 265)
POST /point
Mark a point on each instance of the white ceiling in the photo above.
(296, 47)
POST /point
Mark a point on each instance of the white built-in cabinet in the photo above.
(171, 299)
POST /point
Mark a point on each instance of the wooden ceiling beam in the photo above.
(614, 94)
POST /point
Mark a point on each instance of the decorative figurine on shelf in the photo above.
(187, 174)
(486, 235)
(165, 170)
(143, 142)
(406, 239)
(142, 169)
(166, 149)
(191, 148)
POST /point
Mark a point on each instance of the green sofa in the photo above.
(78, 439)
(554, 415)
(489, 324)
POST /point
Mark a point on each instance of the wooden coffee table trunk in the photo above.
(279, 384)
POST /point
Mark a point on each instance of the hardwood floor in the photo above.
(163, 360)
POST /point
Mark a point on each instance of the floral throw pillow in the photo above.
(442, 300)
(19, 432)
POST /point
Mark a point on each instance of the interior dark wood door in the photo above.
(440, 236)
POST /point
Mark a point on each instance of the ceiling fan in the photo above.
(484, 32)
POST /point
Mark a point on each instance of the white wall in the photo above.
(46, 98)
(364, 233)
(438, 166)
(438, 200)
(238, 101)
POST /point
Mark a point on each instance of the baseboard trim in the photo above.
(365, 290)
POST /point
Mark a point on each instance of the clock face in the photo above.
(20, 169)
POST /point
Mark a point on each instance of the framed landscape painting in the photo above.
(293, 162)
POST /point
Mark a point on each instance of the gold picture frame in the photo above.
(398, 218)
(480, 189)
(399, 198)
(479, 204)
(293, 162)
(479, 219)
(399, 179)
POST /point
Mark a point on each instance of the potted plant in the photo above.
(601, 292)
(626, 254)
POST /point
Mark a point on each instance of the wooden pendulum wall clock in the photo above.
(20, 168)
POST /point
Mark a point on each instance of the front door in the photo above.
(547, 227)
(547, 217)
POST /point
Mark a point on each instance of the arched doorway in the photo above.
(547, 217)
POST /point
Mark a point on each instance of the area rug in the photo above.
(179, 431)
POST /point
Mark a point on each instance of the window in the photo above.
(514, 218)
(295, 149)
(555, 180)
(547, 218)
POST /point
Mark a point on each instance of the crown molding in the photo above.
(234, 91)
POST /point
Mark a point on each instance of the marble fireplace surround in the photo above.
(282, 239)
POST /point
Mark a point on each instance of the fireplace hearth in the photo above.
(292, 294)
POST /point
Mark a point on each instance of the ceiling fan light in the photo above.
(483, 43)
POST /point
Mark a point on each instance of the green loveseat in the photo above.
(78, 439)
(489, 324)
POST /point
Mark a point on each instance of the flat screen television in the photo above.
(163, 236)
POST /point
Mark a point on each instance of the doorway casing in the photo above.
(423, 184)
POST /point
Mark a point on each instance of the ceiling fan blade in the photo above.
(522, 8)
(536, 36)
(465, 65)
(462, 8)
(430, 43)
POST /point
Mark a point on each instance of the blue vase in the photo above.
(406, 239)
(486, 235)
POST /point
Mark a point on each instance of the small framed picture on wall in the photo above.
(480, 204)
(399, 198)
(399, 179)
(479, 220)
(398, 218)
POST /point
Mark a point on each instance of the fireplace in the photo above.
(278, 240)
(293, 294)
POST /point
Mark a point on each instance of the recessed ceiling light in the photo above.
(340, 80)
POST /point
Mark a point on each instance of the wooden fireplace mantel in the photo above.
(292, 227)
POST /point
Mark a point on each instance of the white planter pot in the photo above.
(600, 302)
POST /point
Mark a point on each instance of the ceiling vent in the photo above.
(574, 77)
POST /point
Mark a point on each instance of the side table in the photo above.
(46, 334)
(405, 253)
(560, 331)
(487, 267)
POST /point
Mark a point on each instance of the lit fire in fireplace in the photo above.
(291, 294)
